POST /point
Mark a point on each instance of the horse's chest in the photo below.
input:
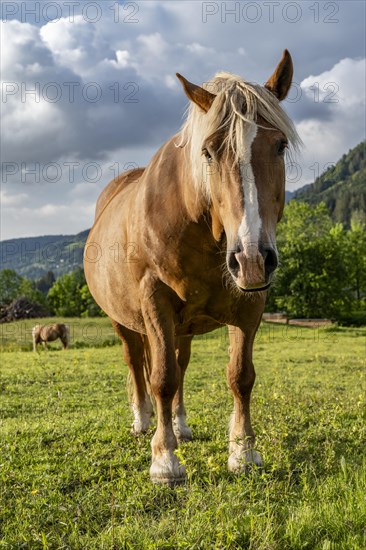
(196, 325)
(201, 317)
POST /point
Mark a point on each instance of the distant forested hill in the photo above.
(342, 187)
(32, 257)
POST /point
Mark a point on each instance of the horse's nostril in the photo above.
(233, 263)
(270, 260)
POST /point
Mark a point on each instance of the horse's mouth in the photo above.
(265, 287)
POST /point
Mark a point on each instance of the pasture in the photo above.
(72, 476)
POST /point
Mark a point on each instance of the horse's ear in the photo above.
(280, 82)
(198, 95)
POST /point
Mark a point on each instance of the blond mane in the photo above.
(235, 108)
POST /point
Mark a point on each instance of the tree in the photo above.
(70, 296)
(312, 279)
(14, 286)
(10, 284)
(355, 258)
(46, 282)
(29, 290)
(91, 308)
(64, 295)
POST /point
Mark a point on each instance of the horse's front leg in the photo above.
(164, 380)
(241, 377)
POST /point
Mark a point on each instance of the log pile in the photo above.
(283, 319)
(21, 308)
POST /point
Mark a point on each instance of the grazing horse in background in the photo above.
(41, 334)
(188, 244)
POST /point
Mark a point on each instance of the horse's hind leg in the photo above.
(181, 430)
(133, 348)
(65, 338)
(65, 342)
(35, 342)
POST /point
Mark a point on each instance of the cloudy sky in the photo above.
(89, 90)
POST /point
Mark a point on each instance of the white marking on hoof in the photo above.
(142, 416)
(166, 469)
(243, 461)
(181, 429)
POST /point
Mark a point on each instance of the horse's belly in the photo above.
(111, 280)
(116, 296)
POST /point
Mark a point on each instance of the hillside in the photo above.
(32, 257)
(342, 187)
(288, 196)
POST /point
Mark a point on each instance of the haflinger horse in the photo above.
(188, 244)
(41, 334)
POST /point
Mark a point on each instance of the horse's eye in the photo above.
(281, 147)
(207, 155)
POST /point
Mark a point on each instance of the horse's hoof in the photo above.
(142, 417)
(184, 437)
(136, 431)
(139, 427)
(244, 462)
(167, 470)
(182, 431)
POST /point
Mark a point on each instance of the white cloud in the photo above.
(85, 191)
(123, 57)
(6, 199)
(153, 43)
(76, 45)
(31, 122)
(49, 219)
(197, 48)
(341, 91)
(343, 85)
(20, 40)
(171, 82)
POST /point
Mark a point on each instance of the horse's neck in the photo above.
(171, 200)
(196, 199)
(170, 172)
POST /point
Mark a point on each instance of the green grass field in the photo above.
(72, 476)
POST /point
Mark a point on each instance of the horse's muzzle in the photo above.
(253, 267)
